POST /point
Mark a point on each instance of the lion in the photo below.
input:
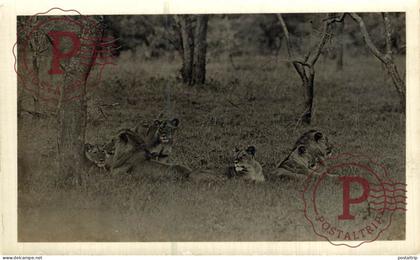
(246, 166)
(129, 148)
(132, 156)
(316, 144)
(298, 164)
(159, 138)
(109, 150)
(95, 155)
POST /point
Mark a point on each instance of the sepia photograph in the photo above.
(211, 127)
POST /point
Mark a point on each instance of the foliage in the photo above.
(155, 35)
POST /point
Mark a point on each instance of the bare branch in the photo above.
(306, 67)
(313, 56)
(335, 19)
(52, 44)
(301, 63)
(366, 37)
(114, 40)
(286, 35)
(386, 58)
(102, 112)
(300, 70)
(387, 27)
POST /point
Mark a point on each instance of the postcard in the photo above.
(210, 127)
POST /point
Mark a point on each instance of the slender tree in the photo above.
(200, 49)
(72, 114)
(193, 36)
(305, 66)
(36, 42)
(187, 36)
(36, 46)
(387, 57)
(340, 47)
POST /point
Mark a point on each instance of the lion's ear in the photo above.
(124, 138)
(88, 147)
(318, 136)
(301, 149)
(157, 122)
(175, 122)
(251, 150)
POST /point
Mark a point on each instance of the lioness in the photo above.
(297, 164)
(109, 150)
(95, 154)
(316, 144)
(132, 156)
(129, 148)
(246, 166)
(159, 138)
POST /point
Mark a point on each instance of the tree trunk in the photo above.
(35, 46)
(340, 49)
(35, 64)
(185, 22)
(72, 116)
(398, 83)
(307, 75)
(200, 49)
(309, 98)
(71, 138)
(20, 36)
(20, 98)
(390, 64)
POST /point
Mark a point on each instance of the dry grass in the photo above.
(256, 104)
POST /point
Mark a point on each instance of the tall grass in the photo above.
(257, 104)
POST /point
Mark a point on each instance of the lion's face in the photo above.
(109, 147)
(302, 157)
(95, 154)
(164, 130)
(243, 158)
(316, 143)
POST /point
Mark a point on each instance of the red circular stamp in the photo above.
(60, 56)
(351, 201)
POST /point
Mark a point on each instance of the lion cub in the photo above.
(246, 166)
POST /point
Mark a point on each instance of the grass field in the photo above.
(257, 104)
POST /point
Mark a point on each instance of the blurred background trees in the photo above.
(194, 41)
(194, 37)
(152, 36)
